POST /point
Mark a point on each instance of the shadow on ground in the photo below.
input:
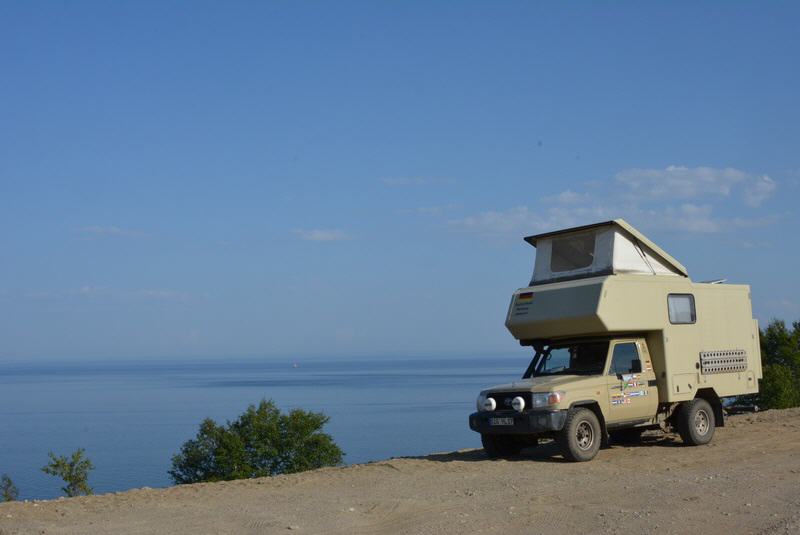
(548, 451)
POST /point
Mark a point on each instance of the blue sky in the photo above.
(298, 178)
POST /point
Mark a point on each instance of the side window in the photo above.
(622, 359)
(681, 308)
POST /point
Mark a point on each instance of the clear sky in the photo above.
(308, 178)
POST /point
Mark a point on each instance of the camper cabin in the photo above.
(609, 280)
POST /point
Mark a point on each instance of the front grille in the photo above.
(503, 399)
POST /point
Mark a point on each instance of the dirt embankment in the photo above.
(746, 481)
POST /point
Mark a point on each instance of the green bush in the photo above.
(8, 490)
(261, 442)
(779, 388)
(780, 356)
(74, 470)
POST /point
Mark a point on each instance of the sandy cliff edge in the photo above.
(746, 481)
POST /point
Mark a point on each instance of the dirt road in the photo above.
(746, 481)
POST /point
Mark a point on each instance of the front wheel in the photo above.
(696, 422)
(581, 436)
(497, 446)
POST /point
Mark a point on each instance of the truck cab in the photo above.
(623, 341)
(611, 377)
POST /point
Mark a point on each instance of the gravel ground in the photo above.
(746, 481)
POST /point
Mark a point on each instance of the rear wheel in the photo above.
(696, 422)
(581, 436)
(497, 446)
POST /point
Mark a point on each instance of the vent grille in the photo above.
(727, 361)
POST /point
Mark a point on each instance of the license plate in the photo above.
(501, 421)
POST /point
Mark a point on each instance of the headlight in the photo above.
(546, 399)
(485, 404)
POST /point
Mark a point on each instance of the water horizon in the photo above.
(132, 415)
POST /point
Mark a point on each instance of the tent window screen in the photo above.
(681, 308)
(572, 252)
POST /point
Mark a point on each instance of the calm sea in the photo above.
(131, 417)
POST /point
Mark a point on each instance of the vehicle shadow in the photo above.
(548, 451)
(651, 439)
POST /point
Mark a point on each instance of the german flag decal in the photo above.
(524, 297)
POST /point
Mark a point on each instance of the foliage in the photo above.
(780, 356)
(261, 442)
(74, 470)
(8, 490)
(779, 389)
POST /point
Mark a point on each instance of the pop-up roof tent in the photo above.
(606, 248)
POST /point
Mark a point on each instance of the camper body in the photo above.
(624, 341)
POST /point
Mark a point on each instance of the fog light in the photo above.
(518, 404)
(489, 405)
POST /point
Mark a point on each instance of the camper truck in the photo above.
(623, 341)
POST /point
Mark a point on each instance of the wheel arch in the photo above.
(710, 395)
(593, 406)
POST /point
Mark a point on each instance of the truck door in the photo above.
(630, 376)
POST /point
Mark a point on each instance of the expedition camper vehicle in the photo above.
(623, 341)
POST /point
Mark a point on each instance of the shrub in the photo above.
(74, 470)
(779, 388)
(781, 345)
(780, 355)
(8, 490)
(260, 442)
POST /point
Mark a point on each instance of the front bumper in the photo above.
(525, 423)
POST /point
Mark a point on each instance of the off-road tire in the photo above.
(581, 437)
(626, 436)
(696, 422)
(498, 446)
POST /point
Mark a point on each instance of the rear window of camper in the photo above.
(572, 252)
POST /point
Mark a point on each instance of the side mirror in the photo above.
(636, 366)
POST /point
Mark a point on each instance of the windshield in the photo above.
(579, 358)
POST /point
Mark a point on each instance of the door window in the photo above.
(622, 360)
